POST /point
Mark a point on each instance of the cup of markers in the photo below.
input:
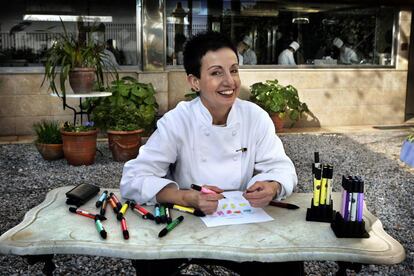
(349, 223)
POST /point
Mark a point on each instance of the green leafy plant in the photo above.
(410, 137)
(69, 52)
(276, 98)
(86, 126)
(131, 106)
(48, 132)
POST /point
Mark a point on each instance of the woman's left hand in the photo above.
(262, 192)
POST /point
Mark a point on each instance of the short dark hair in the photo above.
(199, 45)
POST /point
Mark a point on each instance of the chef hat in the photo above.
(338, 42)
(294, 45)
(247, 40)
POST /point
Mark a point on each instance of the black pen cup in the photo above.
(321, 213)
(348, 229)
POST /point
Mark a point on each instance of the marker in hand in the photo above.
(203, 189)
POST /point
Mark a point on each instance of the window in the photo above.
(28, 28)
(362, 35)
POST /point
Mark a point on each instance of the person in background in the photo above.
(249, 56)
(286, 56)
(216, 140)
(346, 54)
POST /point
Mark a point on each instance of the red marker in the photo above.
(142, 211)
(203, 190)
(124, 228)
(86, 213)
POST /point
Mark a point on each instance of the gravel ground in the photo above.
(25, 178)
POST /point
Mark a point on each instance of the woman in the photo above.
(216, 140)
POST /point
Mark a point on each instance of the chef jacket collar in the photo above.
(207, 119)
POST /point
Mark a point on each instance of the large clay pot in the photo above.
(124, 144)
(50, 152)
(82, 80)
(277, 121)
(79, 147)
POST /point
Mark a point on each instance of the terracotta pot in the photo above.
(277, 121)
(124, 144)
(79, 147)
(81, 80)
(50, 152)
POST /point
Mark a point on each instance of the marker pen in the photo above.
(101, 199)
(100, 228)
(168, 215)
(324, 184)
(170, 226)
(103, 207)
(157, 213)
(283, 205)
(184, 209)
(85, 213)
(116, 200)
(113, 204)
(123, 210)
(353, 200)
(124, 228)
(203, 189)
(316, 186)
(142, 211)
(360, 199)
(346, 183)
(316, 163)
(163, 217)
(329, 184)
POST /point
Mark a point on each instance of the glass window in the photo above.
(274, 33)
(28, 28)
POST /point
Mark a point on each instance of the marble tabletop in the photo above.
(50, 228)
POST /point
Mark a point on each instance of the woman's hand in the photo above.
(207, 203)
(262, 192)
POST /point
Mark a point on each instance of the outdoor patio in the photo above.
(25, 178)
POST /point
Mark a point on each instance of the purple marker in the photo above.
(345, 198)
(360, 206)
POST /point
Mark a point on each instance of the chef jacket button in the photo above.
(234, 133)
(203, 159)
(235, 158)
(207, 133)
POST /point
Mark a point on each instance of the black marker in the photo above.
(283, 205)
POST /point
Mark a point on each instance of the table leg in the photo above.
(48, 267)
(343, 266)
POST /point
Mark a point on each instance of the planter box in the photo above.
(407, 153)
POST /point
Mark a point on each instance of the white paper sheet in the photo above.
(235, 209)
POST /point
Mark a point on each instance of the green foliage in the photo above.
(86, 126)
(48, 132)
(276, 98)
(68, 53)
(131, 106)
(410, 138)
(192, 95)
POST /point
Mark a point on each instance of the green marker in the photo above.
(170, 226)
(100, 228)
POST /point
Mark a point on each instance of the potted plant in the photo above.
(125, 115)
(82, 61)
(49, 140)
(407, 150)
(279, 101)
(79, 143)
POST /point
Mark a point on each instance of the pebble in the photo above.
(25, 178)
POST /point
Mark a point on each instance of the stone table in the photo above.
(50, 228)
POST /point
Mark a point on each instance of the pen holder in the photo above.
(321, 213)
(348, 229)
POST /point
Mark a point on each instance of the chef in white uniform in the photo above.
(286, 56)
(346, 54)
(216, 140)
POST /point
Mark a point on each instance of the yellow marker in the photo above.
(329, 184)
(316, 186)
(185, 209)
(324, 185)
(123, 210)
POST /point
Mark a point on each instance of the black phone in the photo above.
(81, 194)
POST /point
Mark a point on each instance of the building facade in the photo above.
(147, 39)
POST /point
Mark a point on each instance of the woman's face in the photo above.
(219, 82)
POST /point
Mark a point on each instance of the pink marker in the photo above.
(202, 189)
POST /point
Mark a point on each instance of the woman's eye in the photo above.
(234, 71)
(216, 73)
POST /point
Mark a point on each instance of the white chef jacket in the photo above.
(286, 58)
(348, 56)
(190, 149)
(249, 57)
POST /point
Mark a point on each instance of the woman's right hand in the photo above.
(207, 203)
